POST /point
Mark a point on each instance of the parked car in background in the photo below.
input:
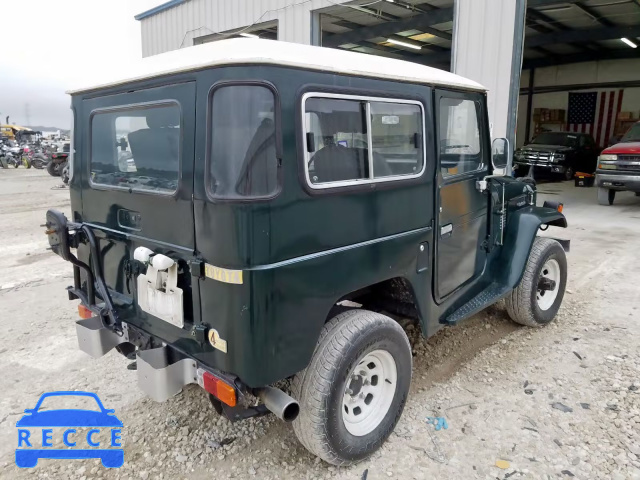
(558, 153)
(619, 167)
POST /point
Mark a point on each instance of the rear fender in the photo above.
(522, 227)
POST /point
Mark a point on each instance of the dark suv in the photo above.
(559, 153)
(278, 206)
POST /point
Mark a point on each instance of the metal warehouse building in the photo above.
(531, 54)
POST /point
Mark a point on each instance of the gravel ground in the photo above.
(557, 402)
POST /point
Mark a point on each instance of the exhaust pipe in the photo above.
(279, 403)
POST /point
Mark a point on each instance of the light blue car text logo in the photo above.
(59, 433)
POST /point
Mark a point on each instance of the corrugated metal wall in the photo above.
(483, 38)
(177, 27)
(483, 50)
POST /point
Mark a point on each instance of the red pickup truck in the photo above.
(619, 167)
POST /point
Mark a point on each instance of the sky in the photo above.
(49, 46)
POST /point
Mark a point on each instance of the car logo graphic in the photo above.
(32, 446)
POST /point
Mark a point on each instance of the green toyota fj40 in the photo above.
(249, 211)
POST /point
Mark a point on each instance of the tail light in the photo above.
(84, 312)
(218, 388)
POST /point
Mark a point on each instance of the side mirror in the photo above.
(501, 156)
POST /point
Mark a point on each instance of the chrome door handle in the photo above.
(446, 229)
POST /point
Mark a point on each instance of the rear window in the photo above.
(136, 148)
(243, 160)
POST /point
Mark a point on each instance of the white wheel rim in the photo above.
(368, 393)
(550, 271)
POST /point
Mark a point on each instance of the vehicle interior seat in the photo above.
(156, 150)
(334, 162)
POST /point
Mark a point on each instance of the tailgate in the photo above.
(135, 173)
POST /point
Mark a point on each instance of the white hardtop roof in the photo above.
(240, 51)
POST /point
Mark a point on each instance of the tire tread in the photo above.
(518, 301)
(312, 386)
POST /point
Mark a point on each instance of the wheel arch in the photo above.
(395, 295)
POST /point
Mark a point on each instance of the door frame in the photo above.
(148, 205)
(440, 181)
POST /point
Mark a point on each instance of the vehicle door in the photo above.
(463, 158)
(136, 174)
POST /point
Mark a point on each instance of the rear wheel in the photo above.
(354, 389)
(536, 300)
(53, 169)
(606, 196)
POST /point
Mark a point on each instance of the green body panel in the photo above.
(296, 316)
(520, 233)
(300, 252)
(272, 330)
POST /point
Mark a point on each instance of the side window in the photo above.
(336, 140)
(396, 132)
(243, 161)
(361, 140)
(459, 137)
(136, 148)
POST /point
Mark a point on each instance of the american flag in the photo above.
(594, 113)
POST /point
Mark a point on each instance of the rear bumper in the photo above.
(162, 372)
(619, 182)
